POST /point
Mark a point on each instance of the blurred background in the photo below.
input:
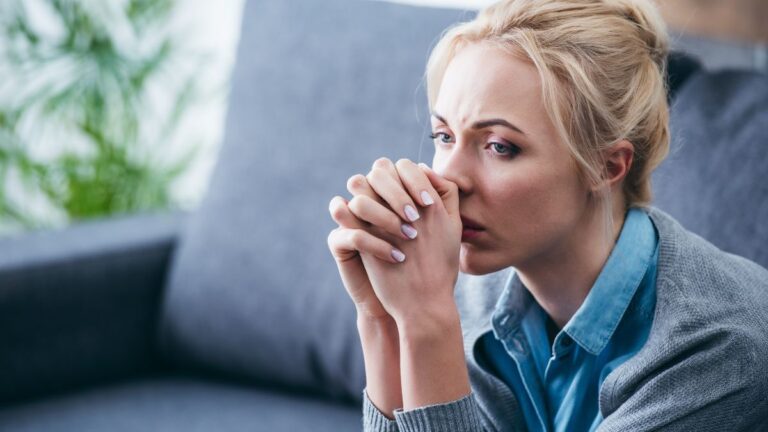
(109, 107)
(114, 107)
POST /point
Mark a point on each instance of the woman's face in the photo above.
(518, 183)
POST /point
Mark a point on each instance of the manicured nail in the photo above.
(411, 213)
(426, 198)
(409, 231)
(397, 255)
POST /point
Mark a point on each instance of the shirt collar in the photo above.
(595, 321)
(511, 307)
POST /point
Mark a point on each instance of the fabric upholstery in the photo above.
(179, 404)
(715, 180)
(320, 90)
(79, 306)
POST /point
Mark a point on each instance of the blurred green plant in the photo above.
(86, 76)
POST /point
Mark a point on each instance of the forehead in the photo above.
(483, 80)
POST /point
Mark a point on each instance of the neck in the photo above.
(561, 278)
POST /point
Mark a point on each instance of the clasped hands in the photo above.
(397, 243)
(398, 239)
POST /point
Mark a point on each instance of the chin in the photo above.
(477, 262)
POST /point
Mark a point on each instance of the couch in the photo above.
(232, 317)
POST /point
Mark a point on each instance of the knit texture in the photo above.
(373, 419)
(703, 367)
(460, 415)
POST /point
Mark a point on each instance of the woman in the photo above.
(578, 306)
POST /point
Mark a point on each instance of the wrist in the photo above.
(429, 324)
(381, 353)
(432, 360)
(367, 324)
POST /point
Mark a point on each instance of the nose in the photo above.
(457, 166)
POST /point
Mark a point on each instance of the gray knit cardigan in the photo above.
(703, 368)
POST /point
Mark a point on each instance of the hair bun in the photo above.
(650, 26)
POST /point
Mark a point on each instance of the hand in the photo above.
(422, 284)
(379, 336)
(345, 242)
(421, 281)
(354, 235)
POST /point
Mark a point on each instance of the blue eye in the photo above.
(444, 137)
(505, 149)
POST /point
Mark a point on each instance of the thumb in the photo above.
(447, 190)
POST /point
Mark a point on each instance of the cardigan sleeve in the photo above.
(459, 415)
(374, 420)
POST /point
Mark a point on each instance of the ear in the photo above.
(618, 160)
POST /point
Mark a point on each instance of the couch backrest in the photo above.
(320, 90)
(715, 180)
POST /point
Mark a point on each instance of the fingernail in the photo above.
(426, 198)
(409, 231)
(411, 213)
(397, 255)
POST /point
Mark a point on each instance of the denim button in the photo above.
(564, 346)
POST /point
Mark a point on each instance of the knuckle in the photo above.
(332, 238)
(382, 175)
(395, 222)
(356, 237)
(354, 204)
(382, 163)
(334, 205)
(337, 213)
(403, 163)
(374, 176)
(338, 208)
(356, 182)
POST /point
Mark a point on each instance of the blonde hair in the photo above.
(602, 65)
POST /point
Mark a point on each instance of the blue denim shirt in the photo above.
(557, 384)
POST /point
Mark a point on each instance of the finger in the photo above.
(346, 243)
(448, 190)
(416, 182)
(358, 185)
(368, 210)
(385, 181)
(340, 213)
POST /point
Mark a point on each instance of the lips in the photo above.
(470, 229)
(468, 223)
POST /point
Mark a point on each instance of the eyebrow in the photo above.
(486, 123)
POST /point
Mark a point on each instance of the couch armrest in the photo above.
(79, 306)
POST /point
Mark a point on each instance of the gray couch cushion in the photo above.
(715, 181)
(179, 404)
(320, 90)
(78, 306)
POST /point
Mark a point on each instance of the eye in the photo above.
(444, 137)
(507, 150)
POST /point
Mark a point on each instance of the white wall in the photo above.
(459, 4)
(214, 27)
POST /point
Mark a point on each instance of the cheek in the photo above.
(535, 205)
(528, 208)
